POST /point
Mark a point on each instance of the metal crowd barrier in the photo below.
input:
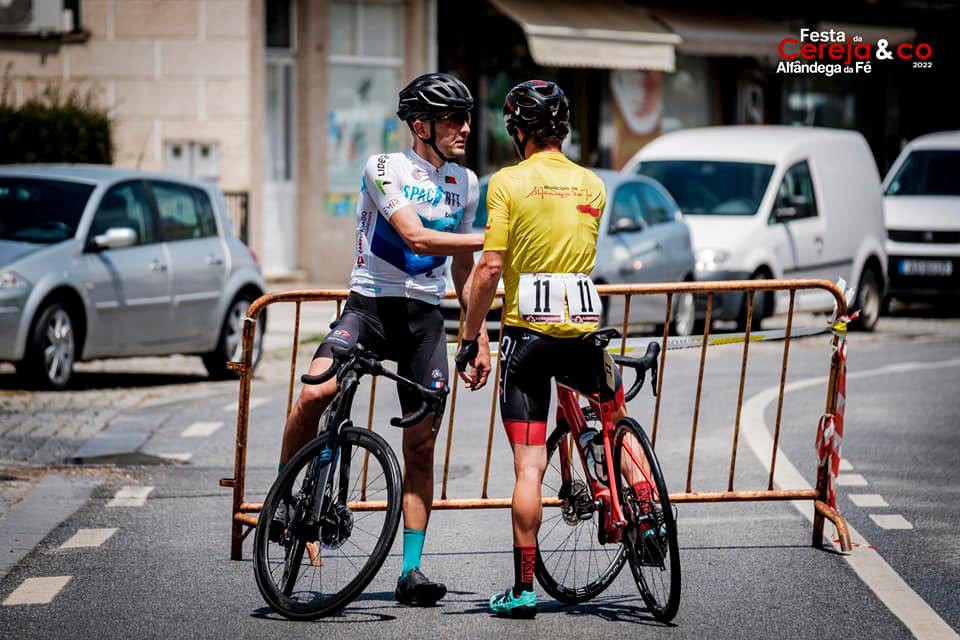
(244, 514)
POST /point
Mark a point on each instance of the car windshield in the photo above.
(928, 172)
(704, 187)
(40, 211)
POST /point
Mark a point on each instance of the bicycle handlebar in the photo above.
(357, 358)
(649, 361)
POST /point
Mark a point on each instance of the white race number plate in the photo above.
(542, 297)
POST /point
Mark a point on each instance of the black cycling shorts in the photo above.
(409, 332)
(530, 360)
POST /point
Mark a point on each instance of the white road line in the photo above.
(867, 500)
(891, 589)
(892, 521)
(88, 538)
(851, 480)
(201, 429)
(130, 497)
(845, 465)
(254, 403)
(37, 591)
(176, 456)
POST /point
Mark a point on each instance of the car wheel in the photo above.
(51, 349)
(869, 301)
(230, 346)
(759, 307)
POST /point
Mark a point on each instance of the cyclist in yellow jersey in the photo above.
(543, 218)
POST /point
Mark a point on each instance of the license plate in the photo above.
(926, 268)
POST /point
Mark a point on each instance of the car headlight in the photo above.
(711, 259)
(10, 280)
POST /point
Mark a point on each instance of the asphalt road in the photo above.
(748, 569)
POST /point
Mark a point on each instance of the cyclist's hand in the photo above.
(468, 351)
(481, 366)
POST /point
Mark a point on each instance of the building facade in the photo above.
(280, 99)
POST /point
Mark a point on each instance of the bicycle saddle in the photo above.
(602, 337)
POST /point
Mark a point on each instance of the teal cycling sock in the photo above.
(280, 466)
(412, 548)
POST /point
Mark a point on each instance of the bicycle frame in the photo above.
(570, 414)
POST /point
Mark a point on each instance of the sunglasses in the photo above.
(458, 118)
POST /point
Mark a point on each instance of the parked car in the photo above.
(922, 210)
(642, 238)
(98, 262)
(776, 202)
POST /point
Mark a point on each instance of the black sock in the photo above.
(524, 559)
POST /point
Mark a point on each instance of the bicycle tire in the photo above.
(663, 609)
(279, 597)
(574, 594)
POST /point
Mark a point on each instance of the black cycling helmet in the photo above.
(431, 97)
(536, 106)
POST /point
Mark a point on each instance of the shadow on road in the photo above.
(932, 310)
(90, 380)
(614, 609)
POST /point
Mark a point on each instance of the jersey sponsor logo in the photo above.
(452, 199)
(393, 204)
(436, 374)
(381, 166)
(585, 208)
(418, 174)
(419, 194)
(548, 191)
(450, 180)
(380, 184)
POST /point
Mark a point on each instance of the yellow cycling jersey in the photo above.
(545, 214)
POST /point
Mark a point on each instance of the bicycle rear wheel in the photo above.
(307, 570)
(571, 564)
(651, 534)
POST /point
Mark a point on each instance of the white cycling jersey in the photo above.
(444, 198)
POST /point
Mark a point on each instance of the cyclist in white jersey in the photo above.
(415, 209)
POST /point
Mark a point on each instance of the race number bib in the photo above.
(546, 297)
(582, 298)
(541, 297)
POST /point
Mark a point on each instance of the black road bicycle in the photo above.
(332, 514)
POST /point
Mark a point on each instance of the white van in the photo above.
(922, 208)
(776, 202)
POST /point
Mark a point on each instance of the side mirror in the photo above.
(115, 238)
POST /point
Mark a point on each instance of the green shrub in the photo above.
(53, 127)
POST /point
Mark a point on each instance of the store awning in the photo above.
(605, 35)
(708, 34)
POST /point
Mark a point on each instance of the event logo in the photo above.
(835, 52)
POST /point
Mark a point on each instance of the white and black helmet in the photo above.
(432, 95)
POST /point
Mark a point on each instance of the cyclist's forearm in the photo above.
(442, 243)
(483, 289)
(461, 272)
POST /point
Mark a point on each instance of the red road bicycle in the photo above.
(603, 523)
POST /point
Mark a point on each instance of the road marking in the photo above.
(867, 499)
(88, 538)
(254, 403)
(201, 429)
(130, 497)
(893, 521)
(851, 480)
(176, 456)
(845, 465)
(37, 591)
(869, 565)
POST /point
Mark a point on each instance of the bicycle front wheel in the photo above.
(572, 565)
(309, 569)
(651, 533)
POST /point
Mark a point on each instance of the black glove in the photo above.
(468, 351)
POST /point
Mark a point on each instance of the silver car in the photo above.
(642, 238)
(99, 262)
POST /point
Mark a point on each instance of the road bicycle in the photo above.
(603, 523)
(331, 516)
